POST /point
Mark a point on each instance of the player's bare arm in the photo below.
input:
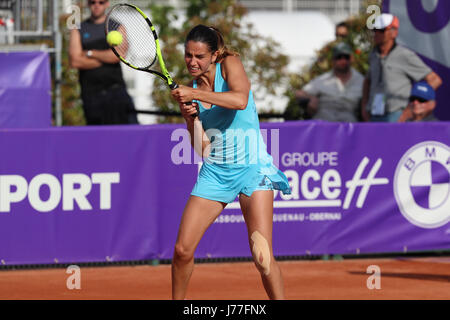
(199, 140)
(238, 83)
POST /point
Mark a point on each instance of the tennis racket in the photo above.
(139, 48)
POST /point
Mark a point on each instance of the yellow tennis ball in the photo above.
(114, 38)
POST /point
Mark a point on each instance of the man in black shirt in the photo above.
(103, 92)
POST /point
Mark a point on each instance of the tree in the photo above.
(71, 105)
(263, 61)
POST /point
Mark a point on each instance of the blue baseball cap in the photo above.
(423, 90)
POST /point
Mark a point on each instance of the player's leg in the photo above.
(258, 214)
(198, 215)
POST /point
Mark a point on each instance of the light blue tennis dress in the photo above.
(238, 161)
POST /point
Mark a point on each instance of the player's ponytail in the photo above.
(223, 50)
(213, 38)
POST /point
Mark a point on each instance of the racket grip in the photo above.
(173, 86)
(195, 115)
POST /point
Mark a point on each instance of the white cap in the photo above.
(386, 20)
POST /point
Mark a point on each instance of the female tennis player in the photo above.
(236, 162)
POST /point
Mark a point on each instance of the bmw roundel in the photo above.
(422, 184)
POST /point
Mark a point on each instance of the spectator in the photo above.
(421, 104)
(335, 95)
(103, 92)
(341, 31)
(392, 69)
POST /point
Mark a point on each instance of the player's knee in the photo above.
(261, 253)
(183, 253)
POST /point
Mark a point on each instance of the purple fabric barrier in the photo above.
(425, 28)
(77, 195)
(25, 90)
(328, 211)
(117, 193)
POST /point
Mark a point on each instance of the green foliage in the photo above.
(71, 105)
(263, 62)
(359, 39)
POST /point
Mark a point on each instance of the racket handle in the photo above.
(173, 86)
(195, 115)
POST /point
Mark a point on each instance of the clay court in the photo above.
(421, 278)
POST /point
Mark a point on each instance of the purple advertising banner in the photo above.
(78, 195)
(425, 28)
(357, 188)
(117, 193)
(25, 90)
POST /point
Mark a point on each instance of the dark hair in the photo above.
(212, 37)
(342, 24)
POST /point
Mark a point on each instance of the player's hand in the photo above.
(183, 94)
(188, 111)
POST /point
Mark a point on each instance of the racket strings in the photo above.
(138, 46)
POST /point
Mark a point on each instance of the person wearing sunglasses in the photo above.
(422, 102)
(103, 90)
(334, 95)
(392, 70)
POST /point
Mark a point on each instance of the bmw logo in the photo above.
(422, 184)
